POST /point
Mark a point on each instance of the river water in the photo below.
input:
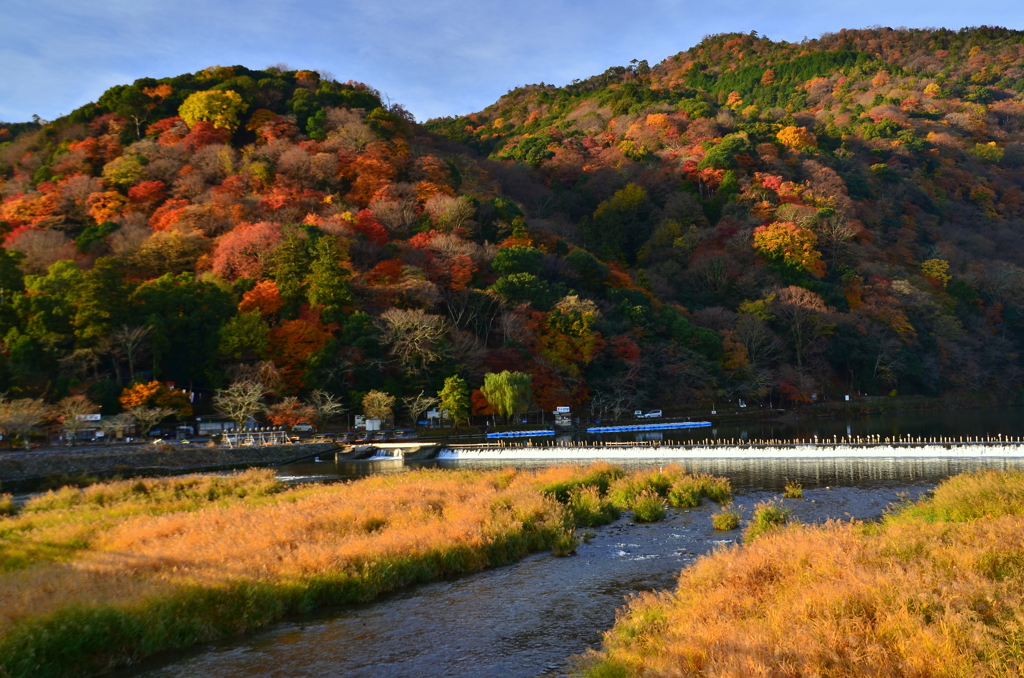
(528, 618)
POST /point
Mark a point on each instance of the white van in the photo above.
(653, 414)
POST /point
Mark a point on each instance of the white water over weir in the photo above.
(865, 448)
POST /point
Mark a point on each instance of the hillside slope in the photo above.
(747, 219)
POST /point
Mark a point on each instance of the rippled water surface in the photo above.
(528, 618)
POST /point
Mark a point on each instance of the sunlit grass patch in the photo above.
(106, 575)
(935, 589)
(55, 525)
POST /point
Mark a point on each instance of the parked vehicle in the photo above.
(653, 414)
(303, 427)
(638, 414)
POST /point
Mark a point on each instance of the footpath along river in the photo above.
(528, 618)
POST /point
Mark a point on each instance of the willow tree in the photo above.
(509, 393)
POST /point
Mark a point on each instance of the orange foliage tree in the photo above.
(242, 252)
(156, 394)
(480, 406)
(289, 412)
(291, 344)
(264, 297)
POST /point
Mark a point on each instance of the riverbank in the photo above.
(935, 589)
(105, 576)
(56, 466)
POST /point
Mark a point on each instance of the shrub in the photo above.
(793, 490)
(768, 516)
(648, 507)
(727, 519)
(6, 505)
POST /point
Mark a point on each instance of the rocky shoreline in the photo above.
(24, 468)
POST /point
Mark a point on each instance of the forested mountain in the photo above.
(747, 219)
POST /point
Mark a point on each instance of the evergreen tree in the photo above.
(328, 281)
(455, 399)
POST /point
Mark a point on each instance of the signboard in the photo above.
(562, 410)
(88, 417)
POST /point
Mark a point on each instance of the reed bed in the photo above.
(935, 589)
(105, 576)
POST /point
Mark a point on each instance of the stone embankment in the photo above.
(23, 467)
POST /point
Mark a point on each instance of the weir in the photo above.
(396, 451)
(866, 448)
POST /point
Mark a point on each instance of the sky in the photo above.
(436, 57)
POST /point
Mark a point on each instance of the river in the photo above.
(528, 618)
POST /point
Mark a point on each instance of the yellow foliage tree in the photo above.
(222, 108)
(792, 244)
(104, 206)
(658, 121)
(797, 137)
(937, 269)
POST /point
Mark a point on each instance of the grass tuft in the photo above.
(768, 516)
(682, 490)
(599, 475)
(648, 507)
(727, 519)
(566, 543)
(6, 505)
(589, 509)
(793, 490)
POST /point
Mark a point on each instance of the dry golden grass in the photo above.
(56, 525)
(104, 576)
(934, 590)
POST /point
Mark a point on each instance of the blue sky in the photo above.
(437, 57)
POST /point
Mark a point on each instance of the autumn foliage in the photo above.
(156, 394)
(790, 244)
(623, 240)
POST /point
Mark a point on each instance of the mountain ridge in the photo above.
(745, 219)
